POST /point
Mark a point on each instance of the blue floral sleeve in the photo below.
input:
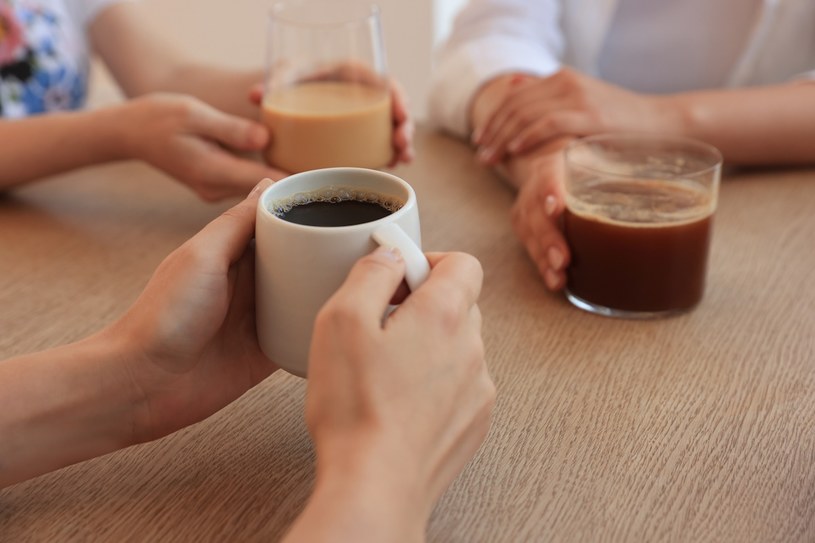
(43, 65)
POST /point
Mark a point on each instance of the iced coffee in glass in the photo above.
(326, 100)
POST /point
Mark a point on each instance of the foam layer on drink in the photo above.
(334, 195)
(644, 202)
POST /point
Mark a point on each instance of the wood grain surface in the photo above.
(695, 428)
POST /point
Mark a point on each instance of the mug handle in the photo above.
(417, 269)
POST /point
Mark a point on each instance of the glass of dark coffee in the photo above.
(638, 221)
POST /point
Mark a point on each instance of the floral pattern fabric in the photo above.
(43, 59)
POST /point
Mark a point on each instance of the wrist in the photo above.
(677, 115)
(516, 171)
(487, 98)
(110, 358)
(139, 380)
(382, 497)
(110, 128)
(543, 165)
(129, 125)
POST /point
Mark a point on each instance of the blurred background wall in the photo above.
(234, 33)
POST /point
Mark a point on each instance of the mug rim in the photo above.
(409, 202)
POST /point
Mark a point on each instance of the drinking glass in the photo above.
(326, 99)
(638, 221)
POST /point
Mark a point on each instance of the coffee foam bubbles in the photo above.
(646, 202)
(334, 195)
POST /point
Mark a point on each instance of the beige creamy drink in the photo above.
(324, 124)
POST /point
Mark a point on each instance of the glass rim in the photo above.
(713, 153)
(371, 9)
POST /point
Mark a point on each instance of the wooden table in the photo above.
(694, 428)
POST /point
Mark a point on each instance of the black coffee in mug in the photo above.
(335, 206)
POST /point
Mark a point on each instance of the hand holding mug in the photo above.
(190, 337)
(395, 408)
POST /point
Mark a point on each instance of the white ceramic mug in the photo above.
(298, 267)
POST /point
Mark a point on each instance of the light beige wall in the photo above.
(233, 33)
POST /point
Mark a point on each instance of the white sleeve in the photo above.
(85, 11)
(491, 37)
(809, 76)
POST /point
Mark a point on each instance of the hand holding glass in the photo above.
(327, 100)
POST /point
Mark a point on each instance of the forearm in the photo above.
(770, 125)
(359, 502)
(222, 88)
(45, 145)
(143, 61)
(63, 406)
